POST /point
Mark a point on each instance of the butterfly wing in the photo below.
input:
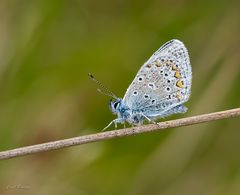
(163, 82)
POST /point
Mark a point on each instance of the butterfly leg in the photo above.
(149, 120)
(115, 121)
(108, 125)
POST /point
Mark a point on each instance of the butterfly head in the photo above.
(115, 105)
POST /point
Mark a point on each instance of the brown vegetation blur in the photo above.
(47, 49)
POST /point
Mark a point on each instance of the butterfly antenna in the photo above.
(104, 90)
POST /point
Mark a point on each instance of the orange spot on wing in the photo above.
(174, 67)
(149, 65)
(158, 64)
(179, 97)
(177, 74)
(179, 84)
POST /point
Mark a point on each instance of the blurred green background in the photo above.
(47, 49)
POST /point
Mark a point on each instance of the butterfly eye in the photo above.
(115, 105)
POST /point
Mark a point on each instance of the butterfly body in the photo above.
(160, 88)
(137, 116)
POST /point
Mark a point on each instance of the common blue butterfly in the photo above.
(160, 88)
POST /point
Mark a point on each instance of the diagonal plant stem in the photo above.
(54, 145)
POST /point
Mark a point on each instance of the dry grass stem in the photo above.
(54, 145)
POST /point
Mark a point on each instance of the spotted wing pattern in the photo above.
(163, 82)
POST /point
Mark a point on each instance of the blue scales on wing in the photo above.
(163, 83)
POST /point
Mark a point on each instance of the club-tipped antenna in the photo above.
(104, 89)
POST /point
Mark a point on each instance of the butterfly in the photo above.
(160, 88)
